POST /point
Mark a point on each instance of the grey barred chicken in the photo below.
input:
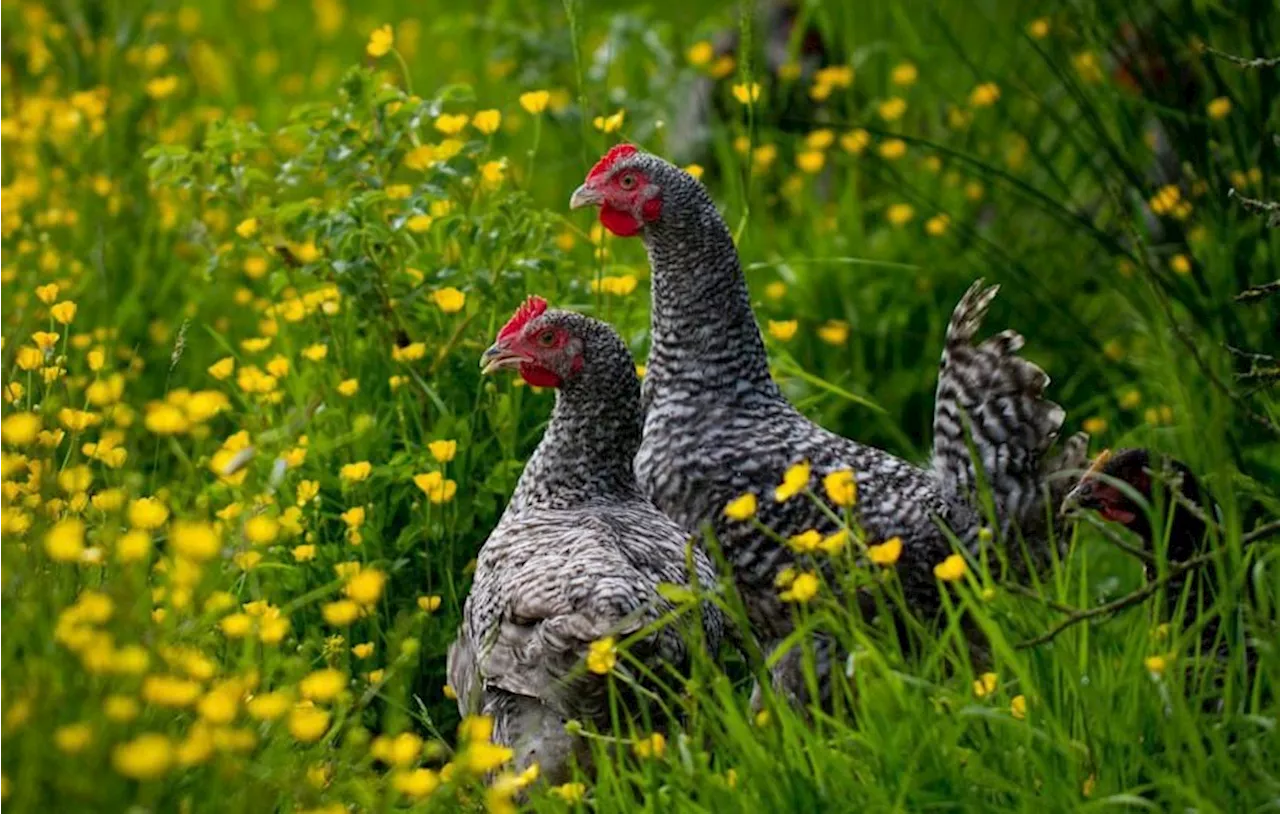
(578, 555)
(717, 426)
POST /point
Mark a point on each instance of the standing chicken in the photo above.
(717, 426)
(578, 555)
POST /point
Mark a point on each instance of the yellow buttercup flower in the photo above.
(806, 542)
(892, 109)
(449, 299)
(1018, 707)
(841, 487)
(146, 757)
(1219, 108)
(535, 101)
(415, 783)
(29, 358)
(443, 450)
(651, 747)
(794, 481)
(602, 655)
(261, 529)
(834, 332)
(65, 541)
(436, 487)
(700, 53)
(985, 684)
(147, 513)
(161, 87)
(811, 161)
(952, 569)
(570, 792)
(783, 330)
(802, 589)
(482, 757)
(268, 706)
(381, 41)
(323, 685)
(487, 121)
(886, 553)
(985, 95)
(355, 472)
(64, 312)
(340, 613)
(609, 124)
(747, 93)
(307, 723)
(197, 542)
(741, 508)
(892, 149)
(451, 123)
(73, 738)
(835, 542)
(900, 214)
(366, 587)
(222, 368)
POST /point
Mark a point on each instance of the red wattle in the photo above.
(622, 224)
(539, 376)
(1117, 515)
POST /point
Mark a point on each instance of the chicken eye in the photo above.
(546, 339)
(627, 181)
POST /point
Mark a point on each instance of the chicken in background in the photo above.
(1110, 488)
(784, 60)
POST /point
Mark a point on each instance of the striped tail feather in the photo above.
(991, 404)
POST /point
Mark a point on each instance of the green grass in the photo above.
(131, 207)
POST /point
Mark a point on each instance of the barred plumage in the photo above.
(717, 426)
(578, 555)
(991, 400)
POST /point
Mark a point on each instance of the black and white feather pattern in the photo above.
(579, 554)
(991, 403)
(717, 426)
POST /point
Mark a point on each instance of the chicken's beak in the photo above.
(585, 195)
(1071, 502)
(499, 357)
(1081, 497)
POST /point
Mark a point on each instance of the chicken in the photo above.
(578, 555)
(784, 59)
(1102, 489)
(717, 426)
(1131, 487)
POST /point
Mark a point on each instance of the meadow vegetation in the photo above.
(253, 250)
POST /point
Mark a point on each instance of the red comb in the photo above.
(530, 308)
(603, 165)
